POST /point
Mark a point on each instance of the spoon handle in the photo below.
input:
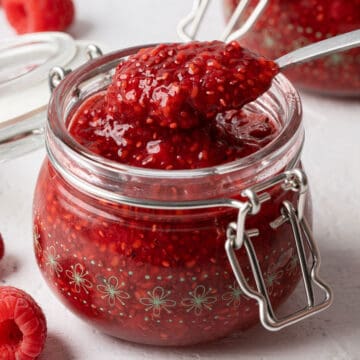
(325, 47)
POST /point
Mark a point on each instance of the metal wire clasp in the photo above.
(188, 27)
(58, 73)
(237, 237)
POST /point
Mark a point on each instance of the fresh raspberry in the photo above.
(22, 325)
(2, 246)
(181, 85)
(39, 15)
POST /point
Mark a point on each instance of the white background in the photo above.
(332, 159)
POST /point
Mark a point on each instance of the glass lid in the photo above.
(25, 63)
(27, 59)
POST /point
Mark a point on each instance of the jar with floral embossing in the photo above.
(174, 257)
(284, 26)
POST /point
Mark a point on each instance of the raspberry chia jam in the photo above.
(287, 25)
(130, 236)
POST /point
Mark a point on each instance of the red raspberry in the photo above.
(39, 15)
(22, 325)
(2, 246)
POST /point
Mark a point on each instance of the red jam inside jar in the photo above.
(177, 107)
(287, 25)
(148, 274)
(231, 136)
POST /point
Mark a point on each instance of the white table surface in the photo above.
(332, 159)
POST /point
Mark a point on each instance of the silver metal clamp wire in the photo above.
(237, 237)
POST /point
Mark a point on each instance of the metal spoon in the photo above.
(320, 49)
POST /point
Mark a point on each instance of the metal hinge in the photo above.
(237, 237)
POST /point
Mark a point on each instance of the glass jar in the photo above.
(287, 25)
(139, 253)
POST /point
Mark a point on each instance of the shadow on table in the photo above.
(8, 266)
(56, 349)
(81, 28)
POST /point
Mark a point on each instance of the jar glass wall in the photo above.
(287, 25)
(147, 274)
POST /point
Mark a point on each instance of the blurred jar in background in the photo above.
(287, 25)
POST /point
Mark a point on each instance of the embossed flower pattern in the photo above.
(52, 261)
(111, 291)
(292, 266)
(199, 300)
(158, 300)
(233, 297)
(272, 279)
(78, 278)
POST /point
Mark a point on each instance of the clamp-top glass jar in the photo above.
(150, 255)
(284, 26)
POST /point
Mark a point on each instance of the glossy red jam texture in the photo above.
(155, 276)
(179, 107)
(287, 25)
(185, 85)
(230, 136)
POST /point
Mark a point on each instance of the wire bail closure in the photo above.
(237, 237)
(188, 27)
(58, 73)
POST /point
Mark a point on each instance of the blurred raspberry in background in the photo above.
(39, 15)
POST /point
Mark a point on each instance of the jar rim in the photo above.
(57, 126)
